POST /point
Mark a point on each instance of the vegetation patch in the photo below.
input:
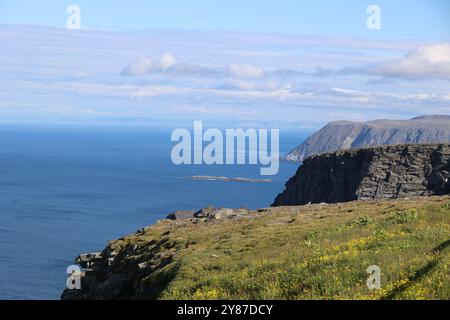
(323, 253)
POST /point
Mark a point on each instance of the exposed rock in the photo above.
(221, 214)
(120, 275)
(182, 214)
(386, 172)
(121, 269)
(209, 213)
(342, 135)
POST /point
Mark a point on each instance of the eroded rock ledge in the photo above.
(386, 172)
(130, 267)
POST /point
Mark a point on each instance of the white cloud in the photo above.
(167, 60)
(245, 71)
(245, 85)
(434, 53)
(145, 65)
(139, 67)
(430, 61)
(168, 65)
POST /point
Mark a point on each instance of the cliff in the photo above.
(298, 252)
(386, 172)
(316, 251)
(341, 135)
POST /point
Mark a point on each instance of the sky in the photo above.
(402, 19)
(302, 62)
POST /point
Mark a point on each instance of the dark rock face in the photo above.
(116, 274)
(387, 172)
(343, 135)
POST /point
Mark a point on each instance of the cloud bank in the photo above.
(224, 75)
(431, 61)
(169, 65)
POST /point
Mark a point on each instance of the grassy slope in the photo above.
(309, 252)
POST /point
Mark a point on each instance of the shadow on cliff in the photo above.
(155, 284)
(439, 179)
(329, 178)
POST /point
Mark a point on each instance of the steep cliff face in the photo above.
(386, 172)
(342, 135)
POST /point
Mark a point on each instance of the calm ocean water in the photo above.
(68, 191)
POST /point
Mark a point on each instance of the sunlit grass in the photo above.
(322, 254)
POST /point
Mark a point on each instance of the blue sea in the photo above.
(66, 191)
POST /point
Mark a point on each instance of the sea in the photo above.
(68, 190)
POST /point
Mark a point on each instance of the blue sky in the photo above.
(418, 19)
(307, 62)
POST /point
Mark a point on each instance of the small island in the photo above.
(228, 179)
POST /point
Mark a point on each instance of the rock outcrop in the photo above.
(118, 271)
(386, 172)
(208, 214)
(124, 270)
(342, 135)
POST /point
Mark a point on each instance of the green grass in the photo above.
(322, 253)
